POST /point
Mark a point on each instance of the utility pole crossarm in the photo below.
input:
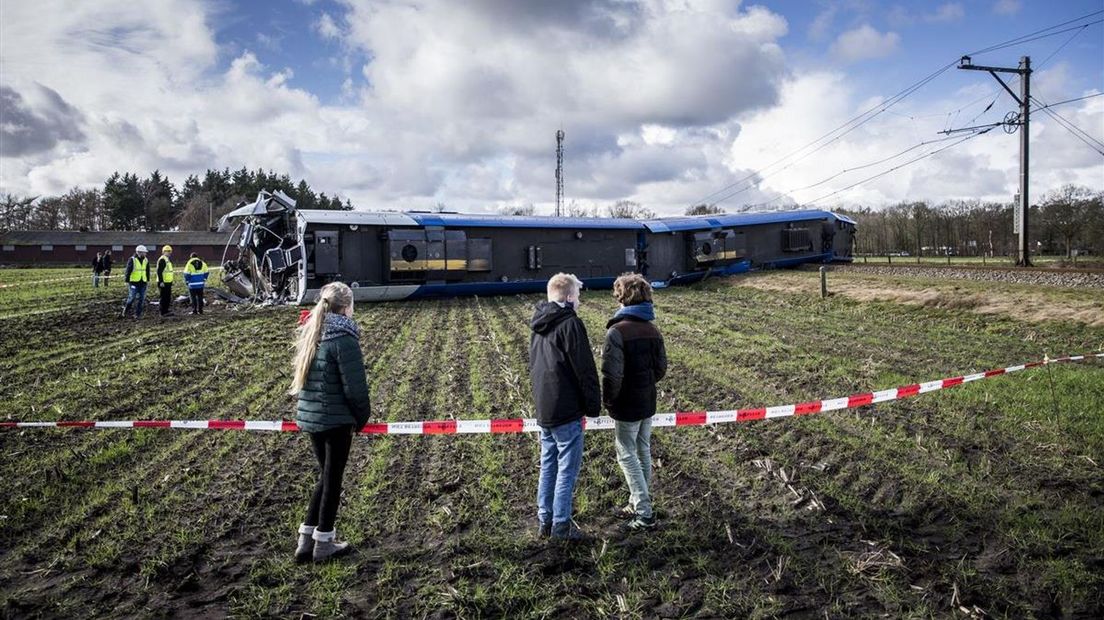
(966, 64)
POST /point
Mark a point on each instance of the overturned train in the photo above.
(284, 254)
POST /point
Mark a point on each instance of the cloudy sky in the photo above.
(405, 104)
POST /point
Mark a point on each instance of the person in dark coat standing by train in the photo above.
(633, 360)
(97, 269)
(329, 378)
(105, 265)
(565, 388)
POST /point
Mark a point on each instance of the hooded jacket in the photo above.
(336, 390)
(633, 360)
(561, 366)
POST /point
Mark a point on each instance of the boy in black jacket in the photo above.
(633, 360)
(565, 388)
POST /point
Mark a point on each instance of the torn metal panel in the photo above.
(264, 266)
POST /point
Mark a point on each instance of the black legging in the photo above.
(166, 298)
(332, 449)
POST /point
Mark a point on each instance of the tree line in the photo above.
(1066, 220)
(129, 202)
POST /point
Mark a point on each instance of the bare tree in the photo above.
(629, 209)
(704, 209)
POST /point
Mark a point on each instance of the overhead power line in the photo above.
(861, 167)
(899, 166)
(1058, 103)
(1069, 126)
(818, 144)
(857, 121)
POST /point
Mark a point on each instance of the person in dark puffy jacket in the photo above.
(565, 388)
(633, 360)
(331, 383)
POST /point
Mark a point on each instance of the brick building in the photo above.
(66, 247)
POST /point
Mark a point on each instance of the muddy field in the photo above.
(983, 500)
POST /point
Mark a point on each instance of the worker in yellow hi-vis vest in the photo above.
(165, 280)
(137, 276)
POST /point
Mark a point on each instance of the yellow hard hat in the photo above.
(167, 248)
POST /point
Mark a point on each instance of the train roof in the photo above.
(415, 218)
(721, 220)
(666, 224)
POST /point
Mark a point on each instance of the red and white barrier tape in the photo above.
(529, 425)
(29, 282)
(87, 276)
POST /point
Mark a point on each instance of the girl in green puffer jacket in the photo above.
(331, 383)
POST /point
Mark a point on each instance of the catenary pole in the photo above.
(1021, 228)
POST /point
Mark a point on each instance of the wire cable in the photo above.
(862, 167)
(1079, 133)
(854, 123)
(857, 121)
(1051, 105)
(899, 166)
(1031, 36)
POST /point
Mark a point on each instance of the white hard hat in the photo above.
(140, 248)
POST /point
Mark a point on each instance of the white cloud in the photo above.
(949, 12)
(460, 102)
(985, 167)
(662, 102)
(1007, 7)
(818, 28)
(327, 27)
(864, 43)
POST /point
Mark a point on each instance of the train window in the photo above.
(796, 240)
(456, 253)
(702, 247)
(479, 255)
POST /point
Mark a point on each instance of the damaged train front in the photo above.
(262, 261)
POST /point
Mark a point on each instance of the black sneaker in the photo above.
(545, 530)
(568, 533)
(640, 523)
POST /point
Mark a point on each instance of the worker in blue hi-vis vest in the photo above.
(195, 274)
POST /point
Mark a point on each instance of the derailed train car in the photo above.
(286, 254)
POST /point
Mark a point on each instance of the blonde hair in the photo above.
(334, 297)
(631, 289)
(563, 286)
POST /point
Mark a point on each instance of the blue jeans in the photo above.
(137, 297)
(561, 456)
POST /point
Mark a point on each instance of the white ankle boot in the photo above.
(304, 552)
(326, 546)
